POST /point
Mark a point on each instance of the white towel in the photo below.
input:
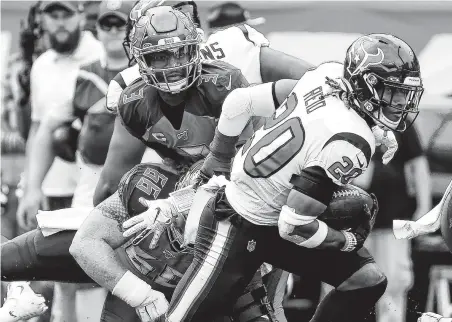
(54, 221)
(429, 223)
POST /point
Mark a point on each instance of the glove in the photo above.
(354, 239)
(432, 317)
(153, 308)
(149, 303)
(156, 219)
(388, 139)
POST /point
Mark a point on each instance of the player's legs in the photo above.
(358, 281)
(31, 256)
(276, 282)
(394, 258)
(224, 263)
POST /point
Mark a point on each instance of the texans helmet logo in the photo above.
(359, 59)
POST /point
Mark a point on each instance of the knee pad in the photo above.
(17, 255)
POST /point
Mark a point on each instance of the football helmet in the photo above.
(384, 74)
(165, 44)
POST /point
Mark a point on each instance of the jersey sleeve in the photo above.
(343, 157)
(131, 112)
(239, 46)
(118, 84)
(254, 36)
(217, 81)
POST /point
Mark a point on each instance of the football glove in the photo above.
(155, 219)
(148, 303)
(153, 308)
(354, 239)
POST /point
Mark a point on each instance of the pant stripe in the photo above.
(204, 276)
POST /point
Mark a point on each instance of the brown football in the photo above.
(347, 208)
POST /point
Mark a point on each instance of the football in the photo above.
(347, 208)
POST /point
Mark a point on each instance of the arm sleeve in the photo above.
(114, 207)
(244, 103)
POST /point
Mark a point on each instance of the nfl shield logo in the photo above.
(251, 245)
(114, 4)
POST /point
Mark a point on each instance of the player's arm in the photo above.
(93, 245)
(307, 200)
(238, 108)
(92, 248)
(276, 65)
(343, 157)
(125, 151)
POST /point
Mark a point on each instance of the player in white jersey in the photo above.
(322, 135)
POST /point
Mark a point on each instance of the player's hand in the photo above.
(432, 317)
(215, 166)
(386, 138)
(28, 208)
(154, 307)
(154, 220)
(360, 233)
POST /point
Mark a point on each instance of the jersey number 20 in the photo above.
(279, 146)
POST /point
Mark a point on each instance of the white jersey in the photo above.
(307, 130)
(239, 46)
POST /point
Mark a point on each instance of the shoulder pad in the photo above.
(130, 100)
(224, 76)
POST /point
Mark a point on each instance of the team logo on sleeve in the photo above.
(208, 78)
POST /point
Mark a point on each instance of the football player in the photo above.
(240, 45)
(321, 133)
(133, 270)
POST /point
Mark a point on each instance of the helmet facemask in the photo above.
(388, 102)
(170, 70)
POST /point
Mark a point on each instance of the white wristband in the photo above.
(350, 241)
(131, 289)
(318, 237)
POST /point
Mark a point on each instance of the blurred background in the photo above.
(315, 31)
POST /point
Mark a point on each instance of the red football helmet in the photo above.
(165, 44)
(385, 77)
